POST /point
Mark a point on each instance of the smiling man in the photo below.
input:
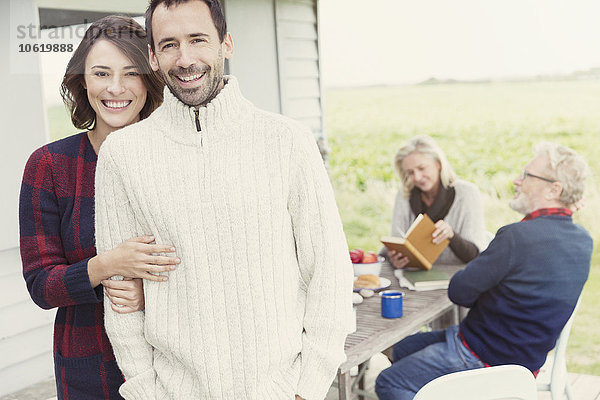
(259, 306)
(189, 49)
(521, 290)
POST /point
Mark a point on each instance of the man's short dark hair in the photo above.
(216, 13)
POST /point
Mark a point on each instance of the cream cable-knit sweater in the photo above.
(260, 305)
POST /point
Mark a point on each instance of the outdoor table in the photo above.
(374, 333)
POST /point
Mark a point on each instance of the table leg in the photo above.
(344, 386)
(362, 368)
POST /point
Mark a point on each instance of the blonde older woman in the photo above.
(430, 186)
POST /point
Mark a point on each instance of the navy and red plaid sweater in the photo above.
(56, 216)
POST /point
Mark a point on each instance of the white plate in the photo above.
(384, 282)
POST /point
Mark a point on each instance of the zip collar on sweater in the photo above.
(213, 122)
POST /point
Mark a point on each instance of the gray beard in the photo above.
(518, 206)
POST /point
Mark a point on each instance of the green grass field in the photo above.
(487, 131)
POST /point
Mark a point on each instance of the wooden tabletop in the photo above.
(375, 333)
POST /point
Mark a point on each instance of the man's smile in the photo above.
(190, 78)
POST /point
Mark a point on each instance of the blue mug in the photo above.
(391, 303)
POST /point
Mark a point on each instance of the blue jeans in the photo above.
(419, 359)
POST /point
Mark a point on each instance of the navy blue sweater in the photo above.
(523, 289)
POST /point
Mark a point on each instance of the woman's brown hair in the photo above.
(130, 38)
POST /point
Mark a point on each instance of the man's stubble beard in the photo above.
(195, 97)
(202, 95)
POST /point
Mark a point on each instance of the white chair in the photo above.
(500, 382)
(553, 374)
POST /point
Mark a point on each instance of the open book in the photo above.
(417, 243)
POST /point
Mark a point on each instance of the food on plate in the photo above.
(358, 256)
(367, 281)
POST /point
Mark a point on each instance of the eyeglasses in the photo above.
(525, 174)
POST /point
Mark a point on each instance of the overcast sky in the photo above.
(407, 41)
(367, 42)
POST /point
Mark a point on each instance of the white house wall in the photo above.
(298, 54)
(254, 61)
(113, 6)
(276, 57)
(25, 329)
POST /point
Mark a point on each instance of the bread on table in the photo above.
(367, 281)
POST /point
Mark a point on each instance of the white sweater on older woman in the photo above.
(260, 305)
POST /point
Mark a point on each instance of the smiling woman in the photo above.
(114, 87)
(429, 185)
(110, 65)
(108, 84)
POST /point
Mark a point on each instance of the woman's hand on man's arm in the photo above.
(134, 258)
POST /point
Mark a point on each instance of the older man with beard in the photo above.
(521, 290)
(260, 305)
